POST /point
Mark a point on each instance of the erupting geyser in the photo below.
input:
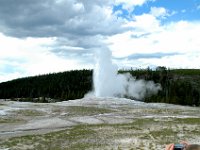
(106, 80)
(108, 83)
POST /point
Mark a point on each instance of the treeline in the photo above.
(60, 86)
(179, 86)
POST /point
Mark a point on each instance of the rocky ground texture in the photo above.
(96, 123)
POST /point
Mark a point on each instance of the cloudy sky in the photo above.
(44, 36)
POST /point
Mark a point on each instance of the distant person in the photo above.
(186, 146)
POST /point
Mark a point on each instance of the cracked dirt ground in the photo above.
(96, 123)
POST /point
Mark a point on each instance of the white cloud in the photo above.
(130, 4)
(68, 36)
(79, 7)
(180, 38)
(7, 77)
(149, 22)
(31, 56)
(159, 12)
(58, 18)
(188, 60)
(145, 23)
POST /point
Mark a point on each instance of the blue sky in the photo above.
(182, 9)
(39, 37)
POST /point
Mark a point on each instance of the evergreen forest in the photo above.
(179, 86)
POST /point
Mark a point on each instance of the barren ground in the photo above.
(96, 123)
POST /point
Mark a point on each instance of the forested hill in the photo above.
(179, 86)
(62, 86)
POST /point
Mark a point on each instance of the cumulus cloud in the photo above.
(57, 18)
(31, 56)
(66, 33)
(159, 12)
(130, 4)
(179, 39)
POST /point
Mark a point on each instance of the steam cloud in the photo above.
(108, 83)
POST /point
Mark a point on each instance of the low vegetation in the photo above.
(81, 110)
(4, 120)
(148, 133)
(28, 112)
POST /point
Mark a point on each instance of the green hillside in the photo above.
(61, 86)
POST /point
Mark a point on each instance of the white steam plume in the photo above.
(108, 83)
